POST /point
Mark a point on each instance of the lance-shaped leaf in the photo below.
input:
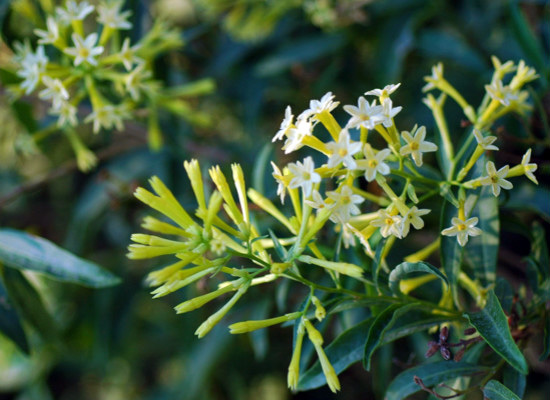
(28, 303)
(492, 325)
(514, 380)
(405, 268)
(25, 251)
(10, 325)
(383, 322)
(431, 374)
(482, 250)
(494, 390)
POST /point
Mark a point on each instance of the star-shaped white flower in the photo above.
(434, 78)
(109, 14)
(84, 49)
(128, 54)
(374, 162)
(389, 112)
(318, 106)
(51, 34)
(108, 116)
(365, 114)
(529, 168)
(33, 64)
(285, 125)
(486, 143)
(344, 206)
(55, 91)
(74, 11)
(278, 175)
(389, 224)
(412, 217)
(496, 178)
(502, 93)
(416, 145)
(134, 81)
(295, 135)
(304, 175)
(67, 114)
(316, 201)
(462, 229)
(383, 93)
(343, 150)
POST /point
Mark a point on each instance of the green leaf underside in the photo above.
(514, 380)
(482, 250)
(494, 390)
(28, 303)
(28, 252)
(492, 325)
(431, 374)
(348, 347)
(406, 268)
(10, 325)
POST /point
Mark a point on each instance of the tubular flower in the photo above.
(496, 178)
(416, 145)
(462, 229)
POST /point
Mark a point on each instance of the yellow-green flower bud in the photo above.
(249, 326)
(344, 268)
(279, 268)
(294, 367)
(320, 312)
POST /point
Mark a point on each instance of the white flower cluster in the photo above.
(348, 159)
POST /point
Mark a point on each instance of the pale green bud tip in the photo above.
(279, 268)
(292, 377)
(249, 326)
(313, 334)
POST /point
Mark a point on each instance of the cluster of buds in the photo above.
(81, 60)
(225, 233)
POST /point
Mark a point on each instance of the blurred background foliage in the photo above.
(118, 343)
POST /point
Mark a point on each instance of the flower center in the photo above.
(307, 176)
(372, 163)
(343, 152)
(389, 221)
(414, 146)
(461, 227)
(494, 179)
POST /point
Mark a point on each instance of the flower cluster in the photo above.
(82, 58)
(338, 189)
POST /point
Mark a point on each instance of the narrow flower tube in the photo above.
(238, 179)
(207, 325)
(155, 225)
(195, 177)
(183, 278)
(199, 301)
(162, 275)
(249, 326)
(341, 267)
(294, 367)
(317, 340)
(270, 208)
(221, 184)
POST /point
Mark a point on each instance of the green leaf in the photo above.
(24, 251)
(383, 322)
(513, 380)
(495, 390)
(539, 251)
(406, 268)
(10, 325)
(546, 341)
(482, 250)
(450, 250)
(431, 374)
(345, 350)
(28, 303)
(492, 325)
(377, 263)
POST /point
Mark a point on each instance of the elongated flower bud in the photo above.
(249, 326)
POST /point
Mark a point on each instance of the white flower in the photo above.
(134, 81)
(31, 74)
(462, 229)
(496, 178)
(412, 217)
(84, 49)
(67, 114)
(128, 54)
(486, 143)
(504, 94)
(317, 201)
(285, 125)
(389, 224)
(304, 175)
(374, 163)
(49, 36)
(529, 168)
(416, 145)
(33, 64)
(343, 150)
(302, 129)
(109, 14)
(383, 93)
(348, 236)
(318, 106)
(388, 112)
(74, 11)
(108, 116)
(365, 114)
(55, 91)
(278, 175)
(344, 206)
